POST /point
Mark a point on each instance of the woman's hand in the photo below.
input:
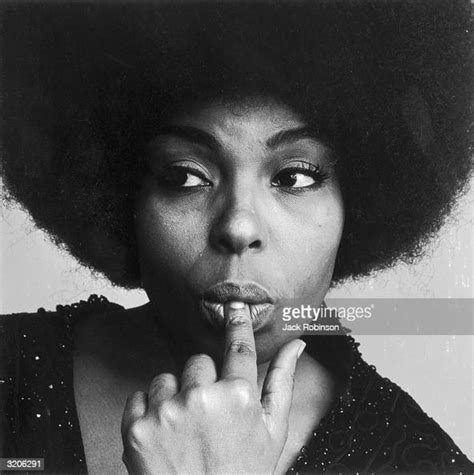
(210, 425)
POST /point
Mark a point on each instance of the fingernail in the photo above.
(236, 312)
(301, 348)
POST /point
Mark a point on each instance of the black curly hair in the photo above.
(386, 84)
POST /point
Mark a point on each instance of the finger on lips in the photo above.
(240, 358)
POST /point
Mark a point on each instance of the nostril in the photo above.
(236, 232)
(255, 244)
(223, 243)
(233, 246)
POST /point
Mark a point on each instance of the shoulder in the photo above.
(27, 338)
(36, 374)
(63, 314)
(36, 339)
(375, 426)
(409, 439)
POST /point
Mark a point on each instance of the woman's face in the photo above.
(241, 202)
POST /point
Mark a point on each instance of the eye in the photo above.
(182, 177)
(304, 175)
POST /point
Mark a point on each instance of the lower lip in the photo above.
(214, 312)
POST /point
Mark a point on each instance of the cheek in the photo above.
(169, 236)
(324, 232)
(319, 225)
(312, 233)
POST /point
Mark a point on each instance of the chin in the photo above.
(268, 344)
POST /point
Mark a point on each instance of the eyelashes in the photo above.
(302, 176)
(299, 177)
(179, 177)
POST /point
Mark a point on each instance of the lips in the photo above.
(259, 300)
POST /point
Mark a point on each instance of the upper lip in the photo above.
(248, 292)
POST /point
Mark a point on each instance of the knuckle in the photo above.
(243, 393)
(131, 399)
(239, 321)
(241, 347)
(197, 397)
(201, 359)
(136, 434)
(135, 399)
(168, 414)
(163, 379)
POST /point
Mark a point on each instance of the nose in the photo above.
(238, 229)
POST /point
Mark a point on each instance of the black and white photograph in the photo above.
(236, 237)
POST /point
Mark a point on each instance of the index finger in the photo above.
(240, 358)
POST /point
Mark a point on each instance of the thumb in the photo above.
(277, 392)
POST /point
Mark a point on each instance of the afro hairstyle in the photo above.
(86, 85)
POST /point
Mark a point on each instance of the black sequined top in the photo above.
(372, 427)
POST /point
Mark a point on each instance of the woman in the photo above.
(225, 159)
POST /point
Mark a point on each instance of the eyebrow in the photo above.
(191, 134)
(200, 137)
(292, 135)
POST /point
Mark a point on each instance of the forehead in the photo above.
(250, 120)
